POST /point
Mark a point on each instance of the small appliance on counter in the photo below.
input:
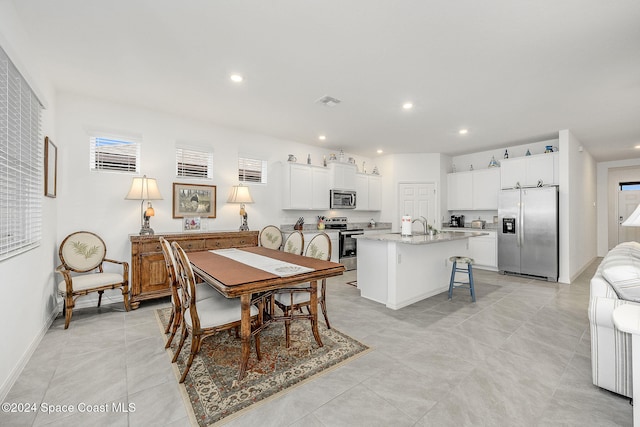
(457, 221)
(478, 223)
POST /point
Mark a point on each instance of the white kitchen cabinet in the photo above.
(527, 171)
(342, 176)
(486, 186)
(305, 187)
(460, 191)
(368, 192)
(484, 250)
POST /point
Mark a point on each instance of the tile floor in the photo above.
(519, 356)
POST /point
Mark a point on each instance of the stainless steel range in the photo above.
(348, 248)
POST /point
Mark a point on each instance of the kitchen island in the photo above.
(398, 270)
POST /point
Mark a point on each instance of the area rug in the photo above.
(212, 389)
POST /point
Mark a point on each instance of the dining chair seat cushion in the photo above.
(217, 311)
(204, 291)
(88, 281)
(298, 297)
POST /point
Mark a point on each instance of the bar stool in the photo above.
(468, 270)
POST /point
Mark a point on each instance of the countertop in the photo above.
(422, 239)
(312, 227)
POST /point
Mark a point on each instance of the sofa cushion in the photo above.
(622, 270)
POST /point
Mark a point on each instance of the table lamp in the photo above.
(240, 194)
(144, 189)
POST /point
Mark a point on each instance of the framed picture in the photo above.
(194, 200)
(191, 223)
(50, 167)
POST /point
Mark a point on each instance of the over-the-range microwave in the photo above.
(342, 199)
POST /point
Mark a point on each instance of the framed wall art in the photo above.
(50, 167)
(191, 223)
(191, 200)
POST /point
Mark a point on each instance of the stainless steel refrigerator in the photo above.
(528, 232)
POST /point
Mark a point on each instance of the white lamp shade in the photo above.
(634, 219)
(144, 189)
(240, 194)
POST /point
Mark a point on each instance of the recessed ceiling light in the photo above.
(379, 151)
(322, 137)
(463, 131)
(407, 105)
(236, 78)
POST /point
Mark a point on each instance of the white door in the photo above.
(418, 199)
(628, 201)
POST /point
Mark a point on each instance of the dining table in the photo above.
(256, 271)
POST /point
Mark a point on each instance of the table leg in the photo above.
(313, 308)
(245, 332)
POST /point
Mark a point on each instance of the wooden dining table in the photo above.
(235, 279)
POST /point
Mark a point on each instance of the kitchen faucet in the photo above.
(423, 220)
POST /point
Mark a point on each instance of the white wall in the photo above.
(416, 167)
(578, 213)
(95, 200)
(27, 279)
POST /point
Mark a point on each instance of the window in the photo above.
(114, 154)
(252, 170)
(629, 186)
(21, 180)
(193, 163)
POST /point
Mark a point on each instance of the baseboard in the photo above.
(17, 370)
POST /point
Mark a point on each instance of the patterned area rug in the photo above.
(213, 390)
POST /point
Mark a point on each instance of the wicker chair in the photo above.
(203, 291)
(270, 237)
(204, 318)
(294, 243)
(294, 299)
(82, 255)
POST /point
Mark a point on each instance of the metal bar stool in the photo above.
(468, 270)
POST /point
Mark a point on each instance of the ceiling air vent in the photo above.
(328, 101)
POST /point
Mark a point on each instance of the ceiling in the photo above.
(509, 72)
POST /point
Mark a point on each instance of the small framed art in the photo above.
(191, 223)
(194, 200)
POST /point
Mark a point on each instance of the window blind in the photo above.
(192, 163)
(21, 163)
(116, 155)
(252, 170)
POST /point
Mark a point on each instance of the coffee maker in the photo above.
(457, 221)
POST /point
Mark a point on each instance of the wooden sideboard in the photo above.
(148, 270)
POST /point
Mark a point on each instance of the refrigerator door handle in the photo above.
(520, 237)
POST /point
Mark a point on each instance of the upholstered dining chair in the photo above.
(82, 255)
(294, 299)
(204, 318)
(203, 291)
(294, 243)
(270, 237)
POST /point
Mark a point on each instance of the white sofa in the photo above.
(616, 282)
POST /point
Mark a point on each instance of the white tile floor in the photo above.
(519, 356)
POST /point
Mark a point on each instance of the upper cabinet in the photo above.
(528, 171)
(368, 192)
(473, 190)
(342, 176)
(305, 187)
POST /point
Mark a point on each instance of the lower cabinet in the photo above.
(148, 270)
(484, 250)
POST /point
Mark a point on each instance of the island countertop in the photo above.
(421, 239)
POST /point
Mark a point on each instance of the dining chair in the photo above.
(204, 318)
(294, 244)
(270, 237)
(294, 299)
(203, 291)
(82, 255)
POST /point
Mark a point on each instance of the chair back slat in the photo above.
(187, 281)
(294, 243)
(319, 247)
(82, 251)
(270, 237)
